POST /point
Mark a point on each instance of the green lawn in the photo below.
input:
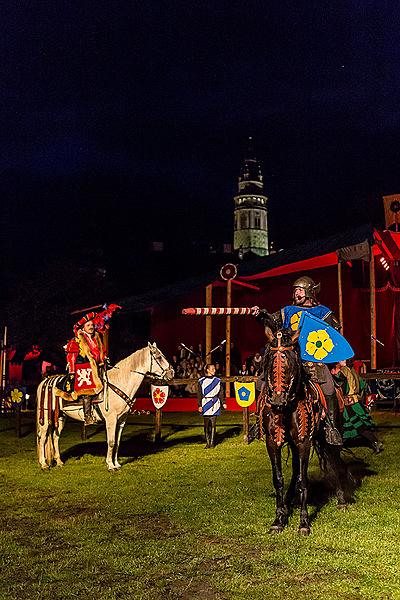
(179, 521)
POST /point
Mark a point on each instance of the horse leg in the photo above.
(120, 428)
(42, 433)
(339, 471)
(56, 439)
(111, 426)
(274, 452)
(304, 455)
(294, 481)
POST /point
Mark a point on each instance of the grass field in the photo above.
(179, 521)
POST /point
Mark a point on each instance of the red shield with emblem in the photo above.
(159, 395)
(84, 377)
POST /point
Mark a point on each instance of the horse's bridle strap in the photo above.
(130, 401)
(281, 348)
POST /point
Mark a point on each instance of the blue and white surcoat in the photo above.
(210, 388)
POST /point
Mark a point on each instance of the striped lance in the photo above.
(217, 311)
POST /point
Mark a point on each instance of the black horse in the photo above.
(291, 414)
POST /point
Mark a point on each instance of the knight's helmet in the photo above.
(309, 286)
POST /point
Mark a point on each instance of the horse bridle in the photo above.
(280, 349)
(130, 401)
(149, 372)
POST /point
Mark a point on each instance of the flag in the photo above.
(392, 211)
(245, 393)
(159, 395)
(319, 342)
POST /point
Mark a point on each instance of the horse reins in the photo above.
(131, 401)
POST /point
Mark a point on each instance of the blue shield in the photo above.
(319, 342)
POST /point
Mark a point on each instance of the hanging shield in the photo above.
(245, 393)
(319, 342)
(159, 395)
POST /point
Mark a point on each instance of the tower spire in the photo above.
(251, 218)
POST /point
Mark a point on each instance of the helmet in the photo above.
(309, 286)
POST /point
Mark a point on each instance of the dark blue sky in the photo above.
(136, 115)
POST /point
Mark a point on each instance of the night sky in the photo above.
(126, 122)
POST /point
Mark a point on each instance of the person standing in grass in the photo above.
(210, 397)
(357, 421)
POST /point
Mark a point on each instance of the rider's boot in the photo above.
(87, 410)
(332, 434)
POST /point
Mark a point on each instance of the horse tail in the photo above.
(44, 425)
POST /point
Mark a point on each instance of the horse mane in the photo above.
(135, 361)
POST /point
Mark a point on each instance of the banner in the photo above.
(159, 395)
(245, 393)
(319, 342)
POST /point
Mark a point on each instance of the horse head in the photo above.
(159, 368)
(282, 367)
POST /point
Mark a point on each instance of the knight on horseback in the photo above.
(304, 299)
(86, 360)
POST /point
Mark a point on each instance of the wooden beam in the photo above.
(228, 338)
(340, 293)
(208, 320)
(372, 301)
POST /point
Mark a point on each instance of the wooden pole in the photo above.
(157, 425)
(372, 308)
(245, 425)
(4, 362)
(340, 292)
(18, 423)
(228, 338)
(208, 321)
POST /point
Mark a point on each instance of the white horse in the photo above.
(115, 403)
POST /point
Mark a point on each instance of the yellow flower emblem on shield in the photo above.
(16, 396)
(295, 320)
(319, 344)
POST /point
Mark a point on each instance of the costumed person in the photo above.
(86, 360)
(304, 299)
(357, 421)
(210, 397)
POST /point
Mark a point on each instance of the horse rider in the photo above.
(86, 360)
(304, 299)
(210, 397)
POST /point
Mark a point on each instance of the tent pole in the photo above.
(340, 291)
(372, 308)
(228, 337)
(208, 321)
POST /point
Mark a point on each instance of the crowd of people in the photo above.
(189, 362)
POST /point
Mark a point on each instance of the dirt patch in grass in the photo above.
(196, 589)
(153, 526)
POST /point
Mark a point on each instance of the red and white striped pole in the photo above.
(199, 312)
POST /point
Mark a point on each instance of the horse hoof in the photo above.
(342, 505)
(45, 467)
(60, 465)
(304, 531)
(274, 529)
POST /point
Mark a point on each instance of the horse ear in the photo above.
(269, 334)
(296, 335)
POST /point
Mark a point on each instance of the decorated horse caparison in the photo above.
(289, 414)
(113, 404)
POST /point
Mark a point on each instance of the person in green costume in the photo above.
(357, 421)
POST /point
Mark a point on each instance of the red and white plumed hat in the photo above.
(89, 317)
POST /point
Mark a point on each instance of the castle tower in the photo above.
(251, 215)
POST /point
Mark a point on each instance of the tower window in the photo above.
(244, 222)
(257, 220)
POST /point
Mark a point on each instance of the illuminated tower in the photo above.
(251, 218)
